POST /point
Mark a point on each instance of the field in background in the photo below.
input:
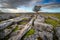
(6, 16)
(52, 14)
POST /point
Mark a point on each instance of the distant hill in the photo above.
(33, 12)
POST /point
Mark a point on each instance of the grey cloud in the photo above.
(5, 5)
(51, 5)
(16, 3)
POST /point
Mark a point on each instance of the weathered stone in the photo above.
(44, 30)
(6, 31)
(43, 26)
(26, 28)
(14, 33)
(5, 24)
(40, 19)
(57, 29)
(46, 35)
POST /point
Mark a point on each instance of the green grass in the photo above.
(9, 27)
(25, 18)
(17, 15)
(22, 23)
(17, 28)
(52, 22)
(30, 32)
(55, 15)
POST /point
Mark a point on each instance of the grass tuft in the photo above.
(30, 32)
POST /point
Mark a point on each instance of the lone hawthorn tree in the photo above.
(36, 9)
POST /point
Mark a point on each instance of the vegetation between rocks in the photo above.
(17, 28)
(52, 22)
(30, 32)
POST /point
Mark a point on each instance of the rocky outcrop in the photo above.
(42, 30)
(8, 26)
(45, 30)
(20, 33)
(6, 23)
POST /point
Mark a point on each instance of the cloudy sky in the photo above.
(28, 5)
